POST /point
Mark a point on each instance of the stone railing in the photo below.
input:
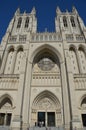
(22, 38)
(80, 82)
(46, 80)
(41, 37)
(9, 82)
(12, 39)
(75, 38)
(17, 39)
(69, 37)
(80, 38)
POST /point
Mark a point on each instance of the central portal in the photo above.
(46, 119)
(46, 110)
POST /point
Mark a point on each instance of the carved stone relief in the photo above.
(6, 106)
(45, 104)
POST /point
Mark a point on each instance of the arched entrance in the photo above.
(46, 110)
(83, 111)
(5, 110)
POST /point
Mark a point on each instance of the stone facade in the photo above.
(43, 75)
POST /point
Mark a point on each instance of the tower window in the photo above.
(72, 22)
(65, 21)
(19, 22)
(27, 22)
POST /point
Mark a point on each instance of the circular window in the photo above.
(46, 64)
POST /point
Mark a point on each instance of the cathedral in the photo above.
(43, 75)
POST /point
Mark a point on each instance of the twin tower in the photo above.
(43, 75)
(70, 22)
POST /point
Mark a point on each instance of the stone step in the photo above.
(46, 128)
(4, 128)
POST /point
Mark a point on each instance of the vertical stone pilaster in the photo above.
(4, 62)
(78, 61)
(65, 97)
(26, 105)
(14, 61)
(75, 121)
(17, 120)
(65, 92)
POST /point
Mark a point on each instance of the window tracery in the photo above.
(19, 22)
(72, 21)
(27, 22)
(65, 21)
(46, 64)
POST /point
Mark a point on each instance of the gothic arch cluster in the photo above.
(6, 109)
(78, 58)
(20, 22)
(72, 20)
(12, 60)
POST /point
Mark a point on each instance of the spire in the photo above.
(33, 11)
(74, 10)
(17, 11)
(25, 12)
(66, 11)
(58, 11)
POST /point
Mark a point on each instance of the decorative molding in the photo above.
(41, 37)
(9, 83)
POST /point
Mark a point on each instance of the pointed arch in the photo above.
(27, 22)
(72, 21)
(46, 55)
(8, 97)
(72, 46)
(46, 102)
(19, 22)
(81, 47)
(52, 49)
(49, 95)
(74, 59)
(19, 48)
(9, 60)
(6, 106)
(65, 21)
(82, 108)
(10, 48)
(82, 58)
(18, 59)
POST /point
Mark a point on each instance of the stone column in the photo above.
(75, 121)
(17, 120)
(26, 105)
(65, 97)
(5, 119)
(46, 119)
(78, 61)
(14, 62)
(4, 62)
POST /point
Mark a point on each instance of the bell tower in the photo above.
(70, 22)
(22, 23)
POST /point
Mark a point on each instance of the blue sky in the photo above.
(45, 11)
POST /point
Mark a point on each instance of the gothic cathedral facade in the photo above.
(43, 75)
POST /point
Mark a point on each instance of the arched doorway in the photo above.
(83, 111)
(46, 78)
(5, 110)
(46, 109)
(46, 69)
